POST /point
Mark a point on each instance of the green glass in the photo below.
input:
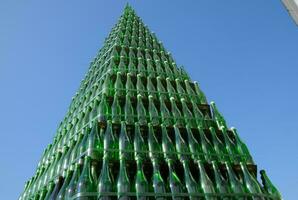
(195, 147)
(170, 89)
(217, 116)
(219, 147)
(234, 182)
(205, 182)
(189, 118)
(168, 147)
(105, 181)
(191, 185)
(181, 145)
(116, 110)
(72, 186)
(94, 143)
(269, 187)
(103, 110)
(55, 191)
(207, 147)
(165, 113)
(130, 86)
(153, 112)
(140, 86)
(51, 186)
(119, 87)
(129, 110)
(158, 183)
(174, 182)
(61, 194)
(160, 88)
(123, 183)
(110, 143)
(140, 148)
(178, 119)
(141, 110)
(125, 144)
(141, 183)
(86, 184)
(221, 185)
(180, 90)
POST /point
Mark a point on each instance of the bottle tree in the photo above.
(140, 128)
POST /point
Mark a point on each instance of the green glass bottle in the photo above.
(94, 143)
(63, 190)
(141, 183)
(110, 143)
(180, 89)
(242, 148)
(123, 183)
(151, 88)
(190, 183)
(140, 86)
(250, 183)
(141, 67)
(42, 194)
(159, 69)
(130, 86)
(199, 92)
(191, 93)
(205, 182)
(119, 87)
(107, 86)
(165, 113)
(150, 69)
(181, 145)
(217, 116)
(140, 148)
(122, 65)
(221, 185)
(105, 182)
(82, 150)
(189, 118)
(131, 64)
(158, 182)
(125, 144)
(116, 110)
(230, 147)
(168, 147)
(72, 186)
(174, 182)
(103, 110)
(178, 119)
(207, 147)
(153, 112)
(234, 182)
(141, 111)
(194, 146)
(57, 186)
(86, 184)
(129, 110)
(219, 147)
(155, 152)
(269, 187)
(198, 114)
(170, 89)
(160, 88)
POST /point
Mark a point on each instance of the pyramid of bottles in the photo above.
(139, 128)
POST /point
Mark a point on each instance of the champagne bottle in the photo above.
(198, 114)
(167, 145)
(86, 183)
(141, 67)
(71, 188)
(107, 85)
(170, 89)
(122, 65)
(55, 191)
(269, 187)
(218, 146)
(189, 118)
(217, 116)
(194, 146)
(116, 110)
(125, 145)
(123, 183)
(129, 111)
(205, 182)
(130, 86)
(181, 146)
(178, 119)
(159, 69)
(141, 183)
(207, 147)
(221, 185)
(165, 113)
(235, 184)
(230, 147)
(160, 88)
(150, 68)
(199, 92)
(109, 143)
(250, 183)
(105, 181)
(63, 190)
(190, 183)
(158, 182)
(119, 87)
(180, 89)
(140, 86)
(151, 88)
(242, 148)
(141, 110)
(153, 113)
(175, 183)
(103, 110)
(140, 147)
(94, 143)
(154, 146)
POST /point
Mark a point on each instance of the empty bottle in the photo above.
(110, 143)
(63, 190)
(123, 183)
(205, 182)
(94, 143)
(175, 183)
(130, 86)
(141, 183)
(269, 187)
(125, 144)
(181, 146)
(140, 86)
(189, 118)
(235, 184)
(217, 116)
(194, 145)
(153, 112)
(105, 181)
(165, 113)
(158, 182)
(72, 186)
(221, 185)
(140, 148)
(141, 110)
(129, 111)
(116, 110)
(119, 87)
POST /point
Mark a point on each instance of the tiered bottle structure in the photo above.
(139, 128)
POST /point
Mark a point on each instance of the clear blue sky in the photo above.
(243, 53)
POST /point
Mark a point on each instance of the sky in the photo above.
(242, 53)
